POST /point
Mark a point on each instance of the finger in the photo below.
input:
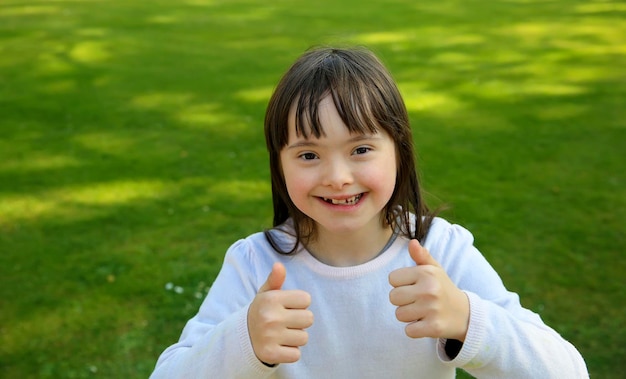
(280, 354)
(423, 328)
(402, 295)
(289, 354)
(275, 279)
(409, 313)
(295, 338)
(295, 299)
(420, 254)
(403, 277)
(299, 319)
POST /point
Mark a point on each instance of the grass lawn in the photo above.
(132, 156)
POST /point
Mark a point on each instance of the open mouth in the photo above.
(347, 201)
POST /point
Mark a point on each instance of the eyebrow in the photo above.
(357, 138)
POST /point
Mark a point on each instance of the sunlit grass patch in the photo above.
(77, 203)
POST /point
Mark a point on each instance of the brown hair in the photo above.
(367, 99)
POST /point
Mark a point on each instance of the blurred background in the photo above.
(132, 156)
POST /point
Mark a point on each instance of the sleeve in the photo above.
(504, 340)
(215, 342)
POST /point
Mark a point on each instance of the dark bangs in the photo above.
(365, 96)
(352, 91)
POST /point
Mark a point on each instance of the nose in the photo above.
(337, 173)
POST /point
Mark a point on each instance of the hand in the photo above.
(427, 299)
(277, 319)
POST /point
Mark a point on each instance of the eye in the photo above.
(307, 156)
(361, 150)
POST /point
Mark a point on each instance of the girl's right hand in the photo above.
(277, 319)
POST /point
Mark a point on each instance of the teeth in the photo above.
(348, 201)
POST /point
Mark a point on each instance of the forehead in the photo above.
(335, 133)
(309, 119)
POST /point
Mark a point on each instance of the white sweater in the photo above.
(356, 333)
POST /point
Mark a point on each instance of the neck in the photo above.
(342, 249)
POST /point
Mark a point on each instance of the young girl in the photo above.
(357, 278)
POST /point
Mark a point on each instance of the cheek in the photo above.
(299, 190)
(387, 184)
(383, 179)
(295, 187)
(297, 183)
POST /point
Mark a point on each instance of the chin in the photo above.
(342, 227)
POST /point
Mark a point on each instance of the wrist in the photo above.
(463, 317)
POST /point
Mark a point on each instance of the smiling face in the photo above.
(369, 104)
(341, 180)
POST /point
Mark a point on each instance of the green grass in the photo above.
(132, 156)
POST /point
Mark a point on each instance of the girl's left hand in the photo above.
(427, 299)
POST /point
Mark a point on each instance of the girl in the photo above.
(357, 278)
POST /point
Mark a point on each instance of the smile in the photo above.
(347, 201)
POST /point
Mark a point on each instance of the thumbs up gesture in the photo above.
(277, 319)
(427, 300)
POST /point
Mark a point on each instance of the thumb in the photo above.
(421, 255)
(275, 279)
